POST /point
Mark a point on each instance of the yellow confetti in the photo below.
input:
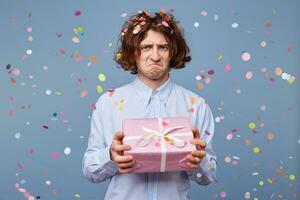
(77, 196)
(256, 150)
(58, 93)
(99, 89)
(252, 125)
(101, 77)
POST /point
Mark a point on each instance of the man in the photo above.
(150, 46)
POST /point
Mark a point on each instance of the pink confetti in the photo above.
(164, 124)
(31, 151)
(227, 68)
(94, 106)
(20, 165)
(11, 113)
(55, 155)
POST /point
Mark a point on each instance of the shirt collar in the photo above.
(145, 93)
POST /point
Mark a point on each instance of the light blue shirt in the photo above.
(136, 100)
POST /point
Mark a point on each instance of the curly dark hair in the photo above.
(135, 30)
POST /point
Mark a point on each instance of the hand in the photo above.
(117, 148)
(196, 156)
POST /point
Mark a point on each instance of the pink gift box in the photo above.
(158, 144)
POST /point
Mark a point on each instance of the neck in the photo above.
(154, 84)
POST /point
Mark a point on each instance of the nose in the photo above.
(155, 54)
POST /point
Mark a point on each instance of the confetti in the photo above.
(101, 77)
(99, 89)
(256, 150)
(249, 75)
(67, 151)
(246, 56)
(196, 24)
(235, 25)
(77, 13)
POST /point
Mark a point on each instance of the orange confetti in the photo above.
(84, 93)
(93, 58)
(200, 85)
(13, 80)
(193, 100)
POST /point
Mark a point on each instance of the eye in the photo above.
(164, 48)
(145, 48)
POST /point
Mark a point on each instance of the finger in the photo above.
(126, 164)
(196, 133)
(199, 153)
(118, 147)
(200, 144)
(119, 136)
(192, 166)
(127, 170)
(123, 159)
(193, 159)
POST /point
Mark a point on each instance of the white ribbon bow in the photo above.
(162, 134)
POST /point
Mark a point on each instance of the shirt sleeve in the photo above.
(97, 165)
(206, 173)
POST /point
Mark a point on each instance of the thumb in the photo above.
(119, 136)
(196, 133)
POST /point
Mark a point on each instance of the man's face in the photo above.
(154, 59)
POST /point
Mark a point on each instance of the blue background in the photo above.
(267, 100)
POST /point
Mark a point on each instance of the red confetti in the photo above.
(45, 127)
(77, 13)
(94, 106)
(211, 72)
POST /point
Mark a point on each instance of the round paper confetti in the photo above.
(256, 150)
(16, 71)
(227, 159)
(249, 75)
(247, 195)
(223, 194)
(261, 183)
(48, 182)
(48, 92)
(99, 89)
(124, 15)
(252, 125)
(18, 135)
(263, 108)
(216, 17)
(196, 24)
(217, 119)
(75, 39)
(198, 78)
(77, 196)
(204, 13)
(101, 77)
(292, 177)
(270, 136)
(29, 29)
(77, 13)
(29, 51)
(67, 151)
(263, 44)
(30, 38)
(246, 56)
(55, 155)
(229, 136)
(235, 25)
(278, 71)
